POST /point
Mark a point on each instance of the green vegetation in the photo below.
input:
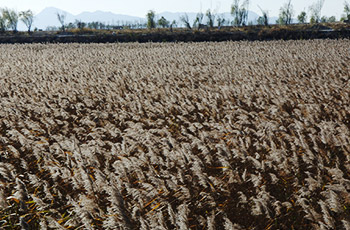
(163, 22)
(150, 19)
(347, 10)
(302, 17)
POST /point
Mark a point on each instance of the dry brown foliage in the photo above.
(234, 135)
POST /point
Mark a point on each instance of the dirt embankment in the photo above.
(183, 36)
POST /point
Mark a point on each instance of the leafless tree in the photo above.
(286, 14)
(3, 21)
(347, 10)
(198, 21)
(264, 19)
(184, 19)
(315, 11)
(210, 18)
(27, 17)
(240, 12)
(11, 16)
(61, 18)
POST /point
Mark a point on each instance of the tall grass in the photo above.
(233, 135)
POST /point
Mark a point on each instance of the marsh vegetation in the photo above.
(232, 135)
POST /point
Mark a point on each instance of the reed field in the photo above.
(231, 135)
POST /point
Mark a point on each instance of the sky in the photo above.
(140, 7)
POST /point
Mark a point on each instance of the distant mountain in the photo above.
(107, 17)
(48, 17)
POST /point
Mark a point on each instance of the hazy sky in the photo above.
(140, 7)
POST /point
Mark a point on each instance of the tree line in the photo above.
(78, 24)
(239, 10)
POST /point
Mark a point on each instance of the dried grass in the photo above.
(233, 135)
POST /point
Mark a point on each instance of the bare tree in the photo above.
(172, 25)
(315, 10)
(220, 20)
(286, 14)
(3, 21)
(240, 12)
(210, 18)
(199, 19)
(184, 19)
(264, 19)
(347, 10)
(61, 18)
(27, 17)
(11, 17)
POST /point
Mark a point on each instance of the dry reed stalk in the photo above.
(232, 135)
